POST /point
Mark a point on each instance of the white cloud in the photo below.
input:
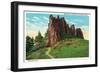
(67, 20)
(33, 20)
(42, 23)
(46, 18)
(70, 22)
(84, 27)
(36, 18)
(29, 19)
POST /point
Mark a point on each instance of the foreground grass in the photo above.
(40, 54)
(71, 48)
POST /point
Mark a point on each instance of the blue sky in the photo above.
(39, 21)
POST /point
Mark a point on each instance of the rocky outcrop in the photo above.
(58, 28)
(72, 30)
(54, 32)
(79, 33)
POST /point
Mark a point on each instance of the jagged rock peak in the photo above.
(72, 30)
(79, 33)
(58, 28)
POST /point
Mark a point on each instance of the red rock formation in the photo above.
(72, 31)
(58, 28)
(79, 33)
(55, 29)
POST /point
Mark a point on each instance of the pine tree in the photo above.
(39, 40)
(46, 35)
(29, 43)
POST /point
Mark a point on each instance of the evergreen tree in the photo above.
(39, 39)
(29, 43)
(46, 35)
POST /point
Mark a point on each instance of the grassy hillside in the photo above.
(71, 48)
(64, 49)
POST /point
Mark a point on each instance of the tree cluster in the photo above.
(37, 43)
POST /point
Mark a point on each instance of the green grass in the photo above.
(71, 48)
(40, 54)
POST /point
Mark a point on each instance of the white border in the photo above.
(56, 62)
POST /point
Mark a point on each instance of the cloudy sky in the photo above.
(36, 22)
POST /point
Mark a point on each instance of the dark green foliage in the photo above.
(46, 35)
(39, 40)
(29, 44)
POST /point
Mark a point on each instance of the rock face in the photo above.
(58, 29)
(79, 33)
(72, 31)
